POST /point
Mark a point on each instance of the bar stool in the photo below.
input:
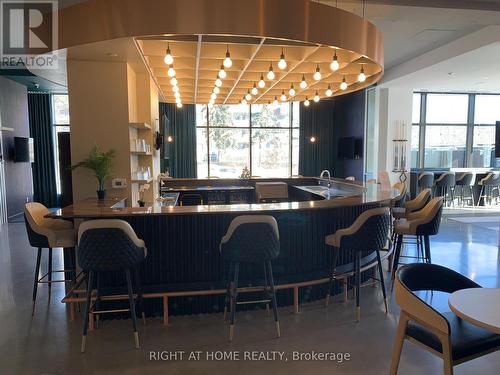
(465, 181)
(424, 223)
(413, 205)
(398, 201)
(446, 185)
(425, 180)
(48, 233)
(488, 185)
(369, 232)
(250, 239)
(106, 246)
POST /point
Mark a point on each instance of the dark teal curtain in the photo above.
(317, 121)
(44, 173)
(179, 156)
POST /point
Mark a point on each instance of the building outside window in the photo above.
(60, 122)
(263, 138)
(454, 130)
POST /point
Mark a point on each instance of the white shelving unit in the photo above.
(140, 159)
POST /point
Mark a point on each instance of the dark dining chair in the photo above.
(441, 333)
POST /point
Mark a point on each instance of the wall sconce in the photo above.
(312, 139)
(170, 139)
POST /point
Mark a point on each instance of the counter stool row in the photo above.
(447, 183)
(112, 245)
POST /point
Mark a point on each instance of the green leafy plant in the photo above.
(101, 163)
(245, 174)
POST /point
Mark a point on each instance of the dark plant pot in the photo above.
(101, 194)
(141, 203)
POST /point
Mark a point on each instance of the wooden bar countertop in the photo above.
(113, 208)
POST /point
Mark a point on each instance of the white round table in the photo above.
(479, 306)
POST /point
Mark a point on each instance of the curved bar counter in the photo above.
(183, 242)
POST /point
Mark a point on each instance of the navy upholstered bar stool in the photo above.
(424, 223)
(369, 232)
(445, 186)
(488, 185)
(425, 180)
(466, 183)
(250, 239)
(48, 233)
(105, 246)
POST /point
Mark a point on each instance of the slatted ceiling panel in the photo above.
(250, 61)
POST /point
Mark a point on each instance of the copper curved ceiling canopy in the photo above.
(199, 33)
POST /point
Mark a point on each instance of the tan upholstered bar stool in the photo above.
(413, 205)
(423, 223)
(48, 233)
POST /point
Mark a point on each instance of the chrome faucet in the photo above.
(329, 178)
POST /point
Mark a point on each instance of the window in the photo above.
(263, 138)
(483, 148)
(416, 109)
(447, 108)
(60, 122)
(459, 130)
(415, 145)
(445, 146)
(487, 109)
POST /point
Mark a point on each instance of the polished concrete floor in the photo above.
(50, 343)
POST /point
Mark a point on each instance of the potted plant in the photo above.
(101, 163)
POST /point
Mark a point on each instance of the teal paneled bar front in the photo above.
(183, 242)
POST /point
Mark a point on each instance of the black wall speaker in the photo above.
(497, 140)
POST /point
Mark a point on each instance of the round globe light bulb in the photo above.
(173, 81)
(243, 101)
(262, 83)
(362, 76)
(222, 73)
(303, 83)
(171, 72)
(307, 102)
(329, 91)
(175, 88)
(291, 92)
(248, 96)
(179, 105)
(316, 98)
(254, 90)
(177, 94)
(216, 90)
(270, 74)
(343, 85)
(218, 82)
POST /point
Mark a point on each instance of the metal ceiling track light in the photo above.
(314, 59)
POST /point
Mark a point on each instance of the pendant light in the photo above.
(216, 90)
(262, 83)
(317, 73)
(218, 82)
(227, 61)
(329, 91)
(291, 92)
(177, 94)
(171, 71)
(222, 73)
(254, 89)
(283, 96)
(248, 96)
(270, 73)
(335, 63)
(173, 81)
(243, 101)
(362, 75)
(282, 63)
(303, 83)
(179, 105)
(275, 102)
(175, 88)
(213, 96)
(316, 97)
(307, 102)
(178, 100)
(211, 102)
(168, 59)
(343, 85)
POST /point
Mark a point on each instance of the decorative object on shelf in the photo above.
(158, 139)
(142, 189)
(101, 163)
(245, 173)
(400, 144)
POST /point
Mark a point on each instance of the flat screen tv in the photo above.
(23, 150)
